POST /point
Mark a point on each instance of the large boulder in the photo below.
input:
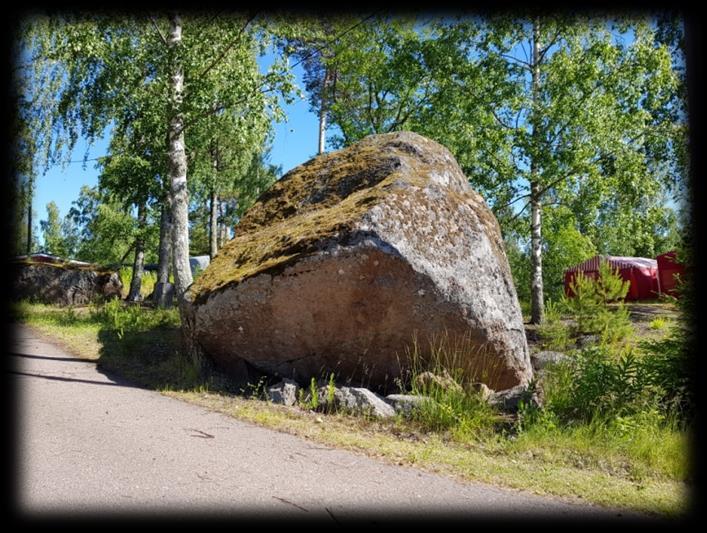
(62, 282)
(352, 258)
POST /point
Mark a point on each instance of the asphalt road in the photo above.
(90, 443)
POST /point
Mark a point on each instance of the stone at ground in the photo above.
(428, 380)
(406, 403)
(542, 359)
(587, 340)
(351, 260)
(509, 400)
(63, 282)
(482, 390)
(356, 400)
(284, 393)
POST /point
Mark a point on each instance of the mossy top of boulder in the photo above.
(322, 199)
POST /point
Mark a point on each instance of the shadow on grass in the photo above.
(150, 358)
(145, 346)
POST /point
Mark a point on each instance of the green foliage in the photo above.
(59, 236)
(331, 389)
(106, 231)
(314, 394)
(590, 304)
(553, 332)
(564, 246)
(149, 280)
(121, 319)
(597, 383)
(669, 363)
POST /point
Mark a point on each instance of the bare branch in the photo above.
(528, 65)
(154, 23)
(498, 119)
(547, 48)
(519, 212)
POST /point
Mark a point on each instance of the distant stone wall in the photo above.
(63, 283)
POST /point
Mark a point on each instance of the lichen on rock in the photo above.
(351, 257)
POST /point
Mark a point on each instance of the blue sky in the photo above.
(295, 142)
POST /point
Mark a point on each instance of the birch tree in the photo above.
(88, 72)
(541, 113)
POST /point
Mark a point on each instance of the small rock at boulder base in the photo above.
(356, 400)
(541, 360)
(427, 380)
(356, 259)
(63, 282)
(406, 403)
(509, 400)
(284, 393)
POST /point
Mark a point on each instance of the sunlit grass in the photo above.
(634, 463)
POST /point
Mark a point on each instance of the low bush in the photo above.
(553, 332)
(598, 383)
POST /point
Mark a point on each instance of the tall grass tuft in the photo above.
(447, 373)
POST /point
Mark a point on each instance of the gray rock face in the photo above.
(64, 283)
(509, 400)
(406, 403)
(541, 360)
(350, 258)
(284, 393)
(357, 400)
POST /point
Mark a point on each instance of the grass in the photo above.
(147, 285)
(624, 462)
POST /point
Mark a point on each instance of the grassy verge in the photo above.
(641, 467)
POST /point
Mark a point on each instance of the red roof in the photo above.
(619, 262)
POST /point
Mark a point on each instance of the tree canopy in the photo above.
(572, 127)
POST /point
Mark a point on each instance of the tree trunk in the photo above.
(178, 168)
(213, 225)
(165, 257)
(29, 223)
(323, 112)
(139, 261)
(537, 308)
(222, 229)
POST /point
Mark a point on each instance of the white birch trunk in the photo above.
(537, 305)
(178, 170)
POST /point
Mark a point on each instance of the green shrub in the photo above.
(147, 284)
(591, 309)
(553, 333)
(314, 394)
(597, 383)
(149, 280)
(125, 274)
(667, 361)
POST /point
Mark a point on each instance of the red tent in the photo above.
(641, 272)
(668, 271)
